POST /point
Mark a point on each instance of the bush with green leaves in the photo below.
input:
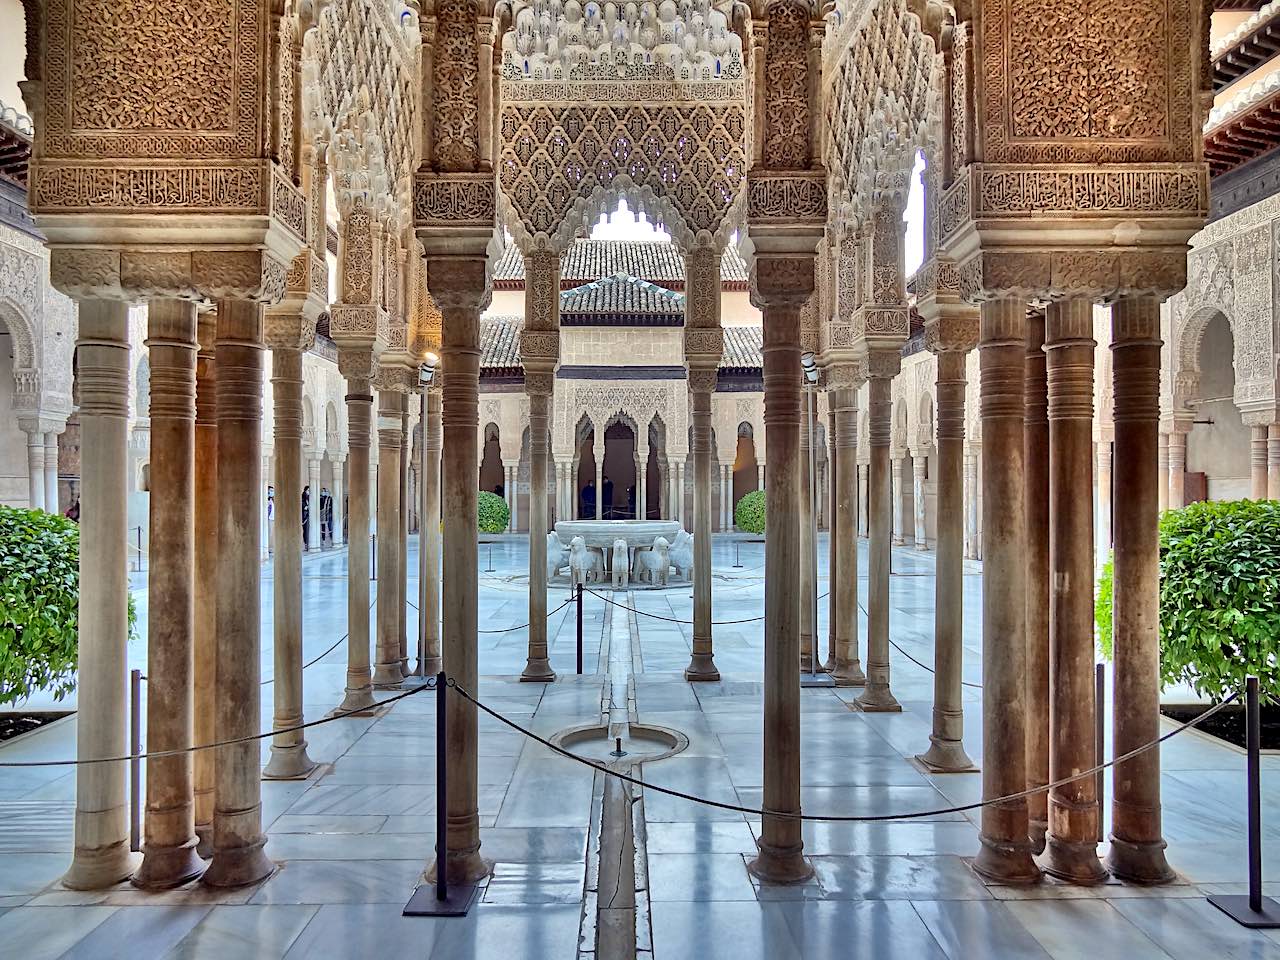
(39, 596)
(1219, 597)
(748, 515)
(494, 512)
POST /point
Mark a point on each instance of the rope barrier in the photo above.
(658, 616)
(507, 629)
(336, 715)
(839, 818)
(925, 666)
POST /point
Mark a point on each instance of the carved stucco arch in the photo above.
(21, 330)
(1189, 336)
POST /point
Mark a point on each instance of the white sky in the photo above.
(622, 224)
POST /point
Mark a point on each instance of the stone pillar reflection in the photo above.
(357, 366)
(169, 852)
(429, 539)
(1137, 843)
(702, 383)
(238, 840)
(205, 563)
(1035, 460)
(846, 666)
(101, 854)
(877, 697)
(386, 670)
(539, 387)
(1257, 461)
(1072, 841)
(1005, 846)
(51, 472)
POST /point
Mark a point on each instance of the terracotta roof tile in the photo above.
(622, 298)
(657, 261)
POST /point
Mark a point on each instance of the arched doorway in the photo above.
(15, 482)
(745, 467)
(619, 472)
(584, 485)
(655, 479)
(1218, 444)
(492, 479)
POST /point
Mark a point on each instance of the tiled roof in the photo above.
(743, 348)
(657, 261)
(621, 299)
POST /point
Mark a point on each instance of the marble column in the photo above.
(289, 759)
(313, 482)
(1137, 843)
(702, 382)
(1103, 522)
(898, 488)
(833, 560)
(35, 467)
(1071, 845)
(169, 852)
(946, 751)
(357, 366)
(1273, 461)
(1035, 460)
(680, 492)
(919, 467)
(862, 501)
(101, 853)
(51, 472)
(539, 387)
(513, 524)
(429, 539)
(402, 538)
(386, 671)
(760, 475)
(600, 478)
(1178, 468)
(726, 514)
(1162, 461)
(338, 513)
(1257, 462)
(971, 506)
(876, 696)
(780, 857)
(808, 578)
(238, 840)
(1004, 853)
(205, 565)
(846, 666)
(642, 484)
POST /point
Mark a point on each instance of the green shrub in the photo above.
(1219, 597)
(748, 515)
(1102, 606)
(494, 512)
(39, 594)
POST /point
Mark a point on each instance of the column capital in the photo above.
(702, 380)
(782, 281)
(357, 363)
(952, 330)
(539, 384)
(396, 378)
(880, 362)
(288, 330)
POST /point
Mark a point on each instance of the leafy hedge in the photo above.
(748, 515)
(494, 513)
(1219, 596)
(39, 595)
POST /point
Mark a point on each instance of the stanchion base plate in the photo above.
(808, 680)
(424, 903)
(1236, 906)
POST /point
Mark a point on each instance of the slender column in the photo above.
(35, 467)
(337, 499)
(169, 852)
(919, 465)
(600, 478)
(971, 505)
(760, 475)
(833, 560)
(1071, 845)
(1273, 461)
(238, 857)
(877, 697)
(313, 481)
(101, 856)
(946, 751)
(1137, 844)
(515, 497)
(289, 759)
(51, 472)
(386, 670)
(429, 539)
(808, 580)
(1162, 461)
(1005, 847)
(1035, 460)
(402, 539)
(899, 487)
(1257, 461)
(205, 561)
(702, 663)
(1178, 469)
(357, 367)
(642, 485)
(846, 667)
(781, 844)
(680, 489)
(538, 666)
(1103, 523)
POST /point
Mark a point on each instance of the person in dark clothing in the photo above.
(306, 514)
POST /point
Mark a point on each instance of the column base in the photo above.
(204, 840)
(289, 763)
(461, 867)
(1075, 862)
(702, 668)
(780, 865)
(1139, 862)
(877, 698)
(1038, 830)
(239, 866)
(357, 699)
(946, 756)
(430, 666)
(537, 670)
(166, 867)
(1006, 862)
(387, 676)
(101, 867)
(848, 673)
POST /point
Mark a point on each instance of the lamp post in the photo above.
(428, 591)
(809, 367)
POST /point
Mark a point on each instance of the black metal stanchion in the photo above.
(489, 568)
(441, 899)
(1253, 910)
(737, 554)
(135, 763)
(579, 629)
(1100, 737)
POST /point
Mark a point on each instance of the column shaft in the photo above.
(1005, 848)
(1102, 525)
(1162, 461)
(205, 561)
(808, 579)
(538, 666)
(702, 664)
(51, 472)
(359, 690)
(429, 539)
(1072, 841)
(833, 559)
(338, 511)
(35, 468)
(600, 476)
(238, 857)
(313, 485)
(169, 853)
(846, 667)
(946, 751)
(899, 486)
(1035, 460)
(919, 467)
(402, 539)
(877, 697)
(289, 759)
(1273, 461)
(1137, 844)
(1257, 462)
(1178, 469)
(386, 671)
(101, 857)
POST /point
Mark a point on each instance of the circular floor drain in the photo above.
(640, 743)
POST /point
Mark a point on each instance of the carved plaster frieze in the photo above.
(187, 274)
(1101, 274)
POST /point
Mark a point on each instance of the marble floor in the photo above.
(352, 840)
